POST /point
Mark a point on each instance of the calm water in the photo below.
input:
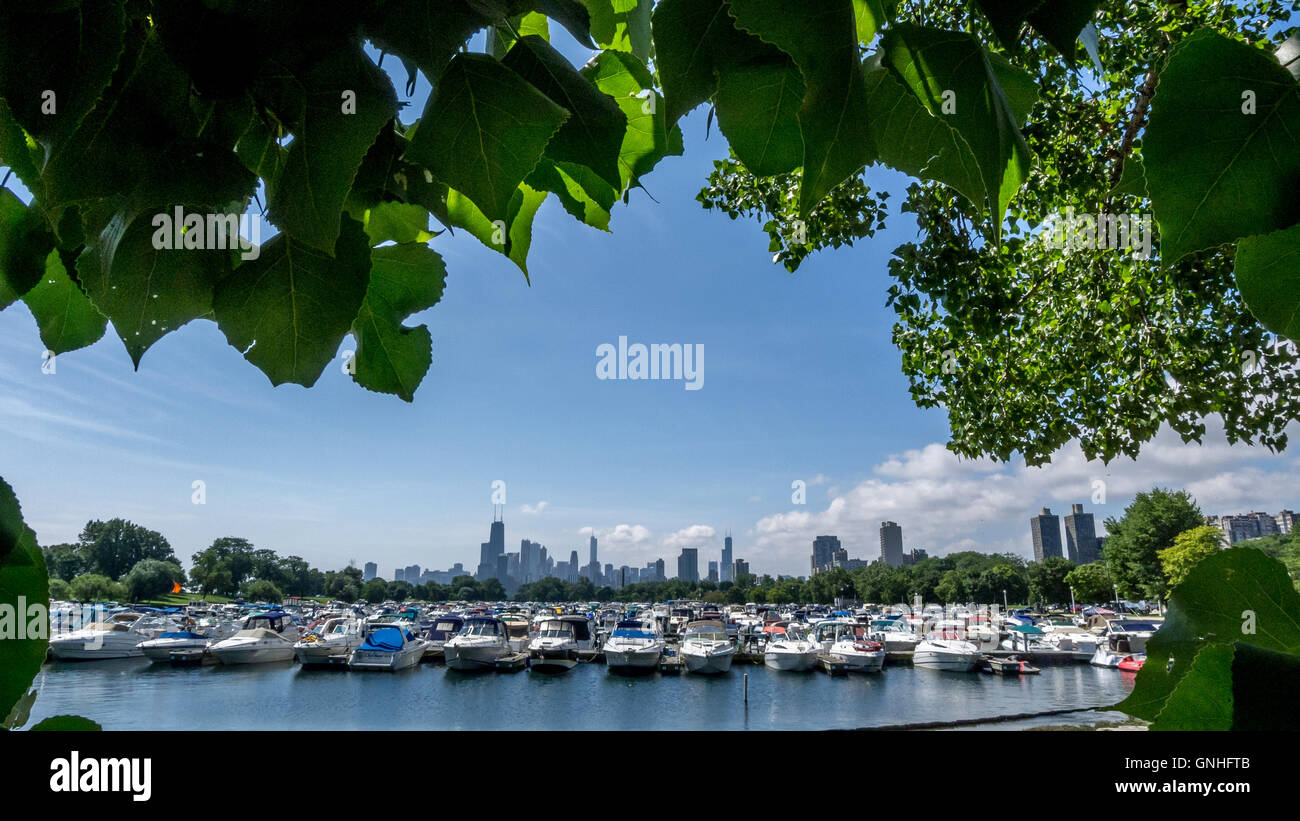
(133, 694)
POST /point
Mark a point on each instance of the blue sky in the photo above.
(801, 383)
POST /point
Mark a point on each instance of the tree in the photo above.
(115, 546)
(1148, 526)
(151, 578)
(951, 587)
(60, 590)
(375, 590)
(65, 561)
(1091, 582)
(95, 587)
(1047, 580)
(261, 590)
(1187, 551)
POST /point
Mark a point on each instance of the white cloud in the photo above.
(946, 504)
(532, 510)
(693, 536)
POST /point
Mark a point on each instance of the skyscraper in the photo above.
(740, 568)
(726, 559)
(713, 572)
(592, 560)
(823, 552)
(493, 547)
(688, 565)
(1080, 536)
(370, 572)
(574, 568)
(1045, 528)
(891, 544)
(659, 571)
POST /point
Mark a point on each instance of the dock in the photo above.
(512, 663)
(671, 665)
(834, 665)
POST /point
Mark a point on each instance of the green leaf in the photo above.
(25, 242)
(622, 25)
(1264, 684)
(1008, 17)
(71, 53)
(571, 14)
(392, 358)
(584, 195)
(67, 724)
(148, 290)
(395, 222)
(23, 581)
(1206, 192)
(593, 133)
(1202, 700)
(289, 309)
(430, 33)
(1223, 599)
(1268, 276)
(758, 111)
(650, 135)
(483, 130)
(1061, 21)
(693, 39)
(346, 101)
(19, 151)
(823, 42)
(65, 316)
(871, 16)
(1132, 180)
(512, 236)
(951, 69)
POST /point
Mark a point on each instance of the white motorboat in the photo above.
(944, 651)
(894, 634)
(481, 642)
(198, 637)
(635, 645)
(443, 629)
(516, 632)
(332, 643)
(265, 637)
(387, 646)
(788, 649)
(116, 637)
(706, 647)
(557, 642)
(845, 640)
(1123, 638)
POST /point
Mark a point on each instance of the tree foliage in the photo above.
(114, 547)
(1188, 550)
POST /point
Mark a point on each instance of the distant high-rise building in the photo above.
(1249, 526)
(914, 555)
(688, 565)
(713, 572)
(574, 569)
(739, 568)
(823, 553)
(659, 571)
(412, 574)
(592, 558)
(370, 572)
(399, 575)
(1285, 521)
(493, 547)
(562, 571)
(608, 575)
(891, 544)
(1045, 528)
(1080, 536)
(727, 559)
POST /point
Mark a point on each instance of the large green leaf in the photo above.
(651, 134)
(392, 358)
(1239, 594)
(1264, 686)
(19, 151)
(1242, 180)
(70, 53)
(345, 101)
(1202, 699)
(822, 39)
(429, 32)
(1061, 21)
(584, 195)
(394, 222)
(1268, 276)
(758, 110)
(25, 242)
(23, 580)
(512, 236)
(149, 291)
(593, 133)
(289, 309)
(66, 724)
(483, 131)
(573, 15)
(622, 25)
(1007, 17)
(65, 316)
(954, 78)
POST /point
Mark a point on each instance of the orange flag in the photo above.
(176, 587)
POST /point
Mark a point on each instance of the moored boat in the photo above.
(265, 638)
(481, 642)
(706, 648)
(387, 646)
(634, 646)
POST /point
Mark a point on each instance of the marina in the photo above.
(642, 666)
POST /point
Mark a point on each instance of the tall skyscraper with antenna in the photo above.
(725, 569)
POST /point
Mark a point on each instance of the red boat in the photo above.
(1132, 664)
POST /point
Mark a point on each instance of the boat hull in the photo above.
(790, 662)
(945, 660)
(553, 660)
(80, 650)
(162, 652)
(861, 662)
(632, 659)
(252, 655)
(707, 663)
(472, 658)
(384, 661)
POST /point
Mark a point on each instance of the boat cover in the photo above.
(182, 635)
(387, 639)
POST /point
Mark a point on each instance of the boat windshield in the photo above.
(706, 634)
(1136, 626)
(481, 628)
(555, 630)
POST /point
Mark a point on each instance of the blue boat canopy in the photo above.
(385, 639)
(184, 634)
